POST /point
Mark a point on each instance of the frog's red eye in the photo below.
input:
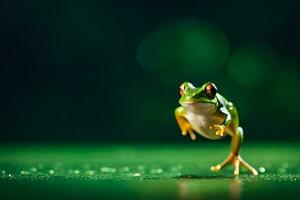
(181, 89)
(211, 90)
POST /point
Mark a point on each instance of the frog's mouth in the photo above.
(203, 101)
(199, 105)
(196, 102)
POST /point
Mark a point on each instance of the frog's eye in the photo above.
(211, 90)
(181, 89)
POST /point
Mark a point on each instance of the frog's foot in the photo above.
(188, 129)
(236, 160)
(220, 129)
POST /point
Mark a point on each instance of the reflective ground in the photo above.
(146, 171)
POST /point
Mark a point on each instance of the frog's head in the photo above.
(205, 95)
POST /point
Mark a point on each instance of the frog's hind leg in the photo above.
(225, 163)
(236, 160)
(234, 157)
(248, 166)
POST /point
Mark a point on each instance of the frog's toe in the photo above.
(237, 161)
(183, 133)
(193, 137)
(215, 168)
(220, 129)
(220, 133)
(192, 134)
(248, 166)
(236, 164)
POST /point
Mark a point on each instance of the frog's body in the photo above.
(208, 113)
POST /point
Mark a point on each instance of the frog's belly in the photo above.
(201, 124)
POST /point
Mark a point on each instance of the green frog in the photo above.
(204, 111)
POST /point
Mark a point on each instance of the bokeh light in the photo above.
(184, 50)
(110, 71)
(249, 65)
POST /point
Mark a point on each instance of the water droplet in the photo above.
(136, 174)
(108, 170)
(3, 171)
(90, 172)
(51, 171)
(33, 169)
(76, 171)
(156, 171)
(23, 172)
(9, 175)
(262, 170)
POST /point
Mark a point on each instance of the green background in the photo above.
(108, 71)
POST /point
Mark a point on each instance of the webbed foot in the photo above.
(236, 160)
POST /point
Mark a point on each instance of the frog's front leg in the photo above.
(234, 156)
(220, 129)
(183, 123)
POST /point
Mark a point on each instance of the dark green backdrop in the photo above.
(104, 71)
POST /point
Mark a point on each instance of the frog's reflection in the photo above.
(213, 187)
(235, 188)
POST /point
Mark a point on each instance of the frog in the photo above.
(204, 111)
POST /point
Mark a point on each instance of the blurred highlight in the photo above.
(183, 50)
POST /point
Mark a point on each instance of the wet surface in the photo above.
(146, 172)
